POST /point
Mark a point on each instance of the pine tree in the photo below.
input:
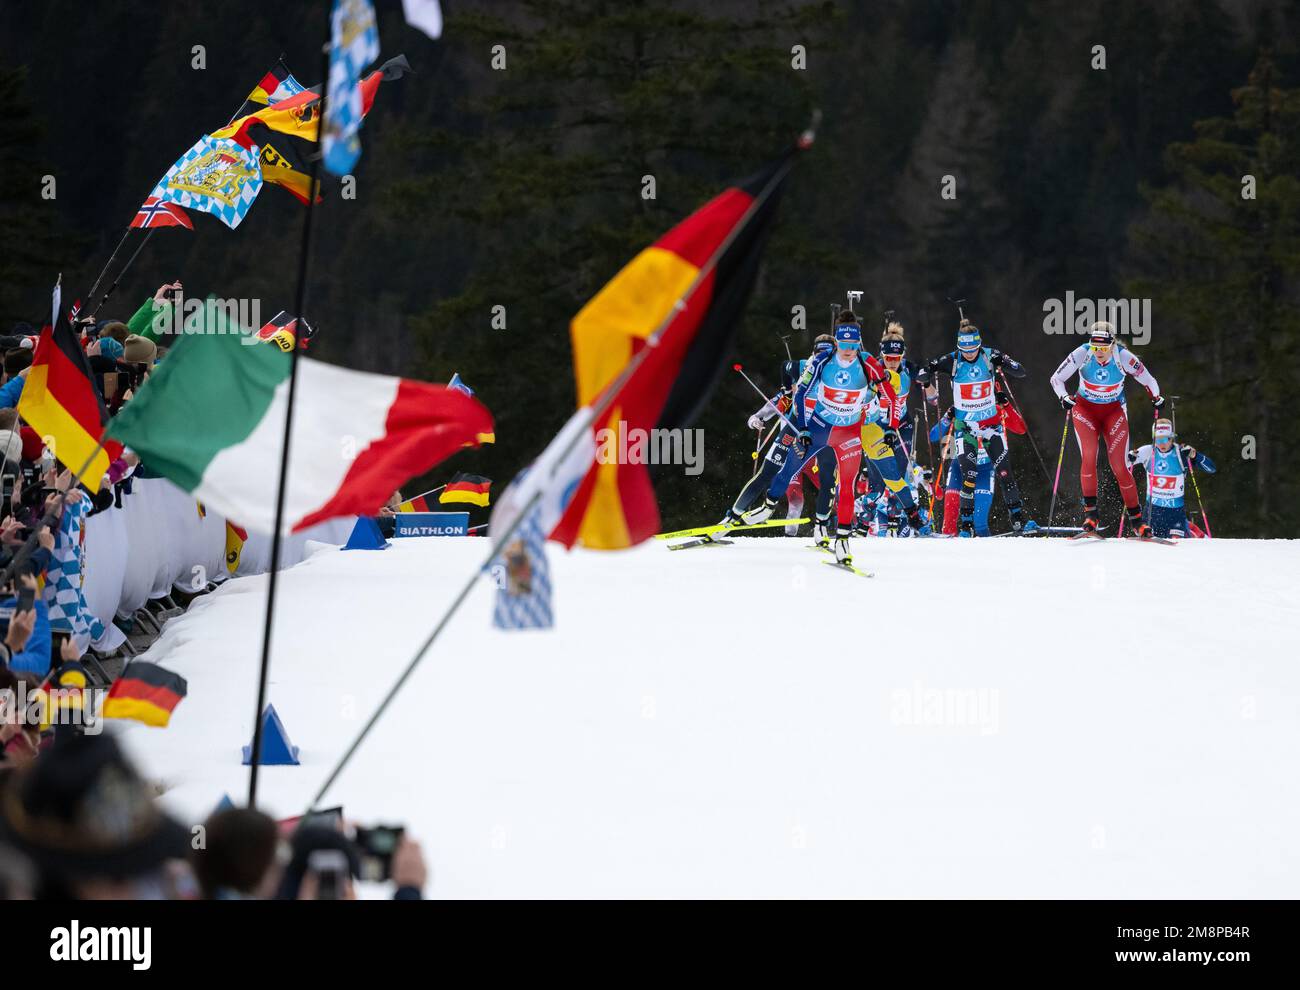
(1220, 257)
(36, 246)
(603, 125)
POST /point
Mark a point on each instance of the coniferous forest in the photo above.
(1144, 149)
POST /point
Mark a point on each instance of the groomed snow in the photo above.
(992, 718)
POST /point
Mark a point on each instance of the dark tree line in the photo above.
(523, 187)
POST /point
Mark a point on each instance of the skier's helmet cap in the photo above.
(1162, 430)
(848, 335)
(893, 347)
(968, 337)
(1102, 335)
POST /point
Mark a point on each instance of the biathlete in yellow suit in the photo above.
(881, 442)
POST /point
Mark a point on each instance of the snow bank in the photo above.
(992, 718)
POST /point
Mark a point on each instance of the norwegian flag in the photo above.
(156, 213)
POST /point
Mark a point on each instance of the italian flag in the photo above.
(211, 418)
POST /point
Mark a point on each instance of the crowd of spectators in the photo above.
(76, 818)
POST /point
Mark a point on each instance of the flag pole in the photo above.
(599, 408)
(422, 494)
(281, 488)
(129, 262)
(100, 277)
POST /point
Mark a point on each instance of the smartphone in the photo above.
(110, 385)
(26, 599)
(330, 867)
(377, 846)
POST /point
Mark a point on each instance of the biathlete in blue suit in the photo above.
(1166, 463)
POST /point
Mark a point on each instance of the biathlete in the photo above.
(1166, 463)
(1099, 413)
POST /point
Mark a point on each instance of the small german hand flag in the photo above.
(469, 488)
(417, 504)
(145, 692)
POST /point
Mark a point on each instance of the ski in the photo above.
(1152, 539)
(848, 567)
(705, 542)
(723, 527)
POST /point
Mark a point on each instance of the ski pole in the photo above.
(1191, 471)
(780, 415)
(762, 441)
(1028, 433)
(1065, 432)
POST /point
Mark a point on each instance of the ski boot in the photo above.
(842, 555)
(1139, 529)
(1091, 517)
(1031, 528)
(966, 526)
(1016, 515)
(732, 518)
(761, 514)
(824, 533)
(919, 526)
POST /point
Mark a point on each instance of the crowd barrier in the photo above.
(158, 540)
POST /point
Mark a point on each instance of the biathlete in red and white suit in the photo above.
(1100, 416)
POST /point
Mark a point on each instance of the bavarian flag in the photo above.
(659, 333)
(60, 402)
(469, 488)
(145, 692)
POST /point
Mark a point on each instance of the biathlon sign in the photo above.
(432, 524)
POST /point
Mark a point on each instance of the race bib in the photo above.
(1166, 485)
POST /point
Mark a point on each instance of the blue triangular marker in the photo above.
(277, 751)
(366, 536)
(223, 804)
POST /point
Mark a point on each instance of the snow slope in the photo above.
(992, 718)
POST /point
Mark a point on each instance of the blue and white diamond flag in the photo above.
(354, 45)
(523, 578)
(216, 176)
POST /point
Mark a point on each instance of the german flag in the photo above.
(145, 692)
(673, 310)
(417, 504)
(236, 537)
(469, 488)
(60, 402)
(299, 115)
(283, 163)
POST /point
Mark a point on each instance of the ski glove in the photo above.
(755, 422)
(1067, 401)
(1158, 401)
(805, 440)
(891, 439)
